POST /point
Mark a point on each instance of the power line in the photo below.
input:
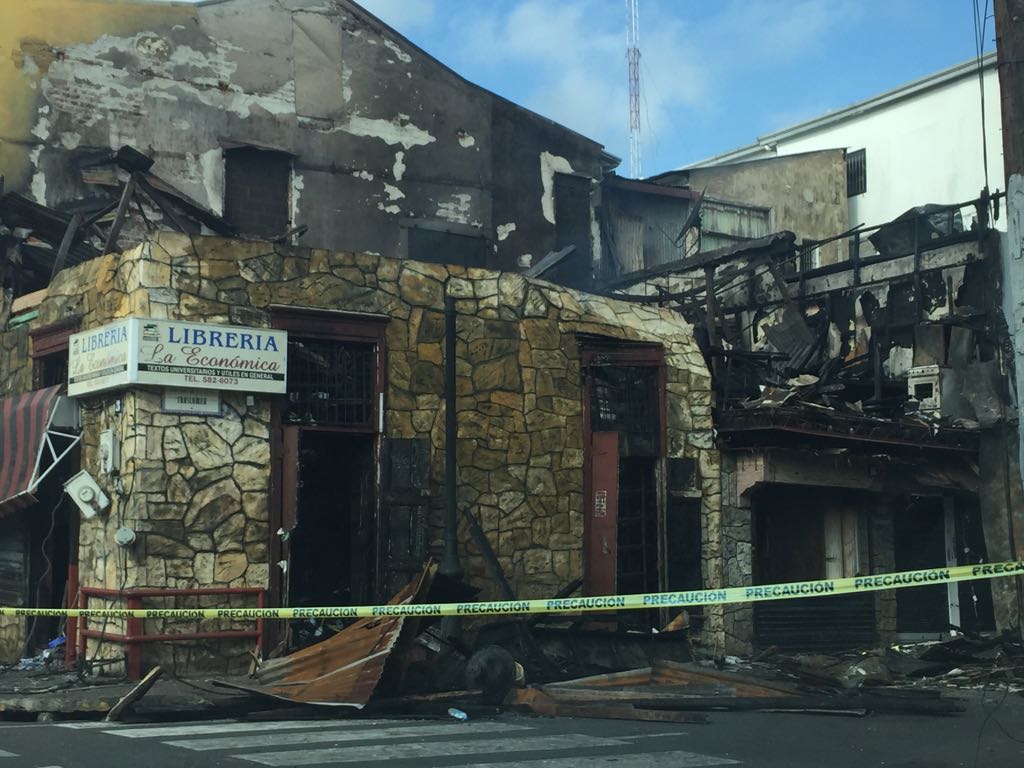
(980, 20)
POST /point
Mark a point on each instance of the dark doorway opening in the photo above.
(637, 566)
(919, 540)
(791, 528)
(332, 546)
(977, 613)
(324, 504)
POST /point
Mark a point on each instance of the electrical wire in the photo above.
(980, 21)
(49, 563)
(990, 715)
(123, 498)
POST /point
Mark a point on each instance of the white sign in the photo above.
(172, 353)
(99, 359)
(194, 401)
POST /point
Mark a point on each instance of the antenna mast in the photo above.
(633, 58)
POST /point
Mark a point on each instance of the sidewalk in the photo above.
(51, 694)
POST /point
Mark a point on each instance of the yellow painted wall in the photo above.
(41, 27)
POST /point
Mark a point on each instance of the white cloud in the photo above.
(572, 54)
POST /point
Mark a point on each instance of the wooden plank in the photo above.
(550, 261)
(781, 243)
(833, 542)
(851, 541)
(28, 301)
(683, 674)
(539, 703)
(639, 693)
(65, 244)
(134, 694)
(122, 213)
(629, 677)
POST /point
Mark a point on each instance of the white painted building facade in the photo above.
(922, 142)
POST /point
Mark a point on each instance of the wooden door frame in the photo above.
(328, 325)
(619, 352)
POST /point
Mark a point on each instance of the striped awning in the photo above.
(30, 445)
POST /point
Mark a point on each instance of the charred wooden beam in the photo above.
(122, 213)
(65, 244)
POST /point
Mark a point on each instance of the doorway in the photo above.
(919, 542)
(624, 521)
(807, 533)
(332, 541)
(325, 529)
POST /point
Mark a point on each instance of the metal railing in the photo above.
(135, 635)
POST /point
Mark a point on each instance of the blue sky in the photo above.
(715, 73)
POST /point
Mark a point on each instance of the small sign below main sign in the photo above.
(192, 401)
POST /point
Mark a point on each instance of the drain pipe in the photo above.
(450, 565)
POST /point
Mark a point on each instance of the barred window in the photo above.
(331, 383)
(856, 173)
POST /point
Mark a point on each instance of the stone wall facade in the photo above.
(196, 489)
(737, 560)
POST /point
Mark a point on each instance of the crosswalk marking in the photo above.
(197, 730)
(368, 734)
(367, 754)
(97, 724)
(676, 759)
(493, 743)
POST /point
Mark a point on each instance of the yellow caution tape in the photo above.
(788, 591)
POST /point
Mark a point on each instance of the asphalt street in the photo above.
(989, 734)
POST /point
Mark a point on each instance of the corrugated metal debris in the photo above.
(345, 669)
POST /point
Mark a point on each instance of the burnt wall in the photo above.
(382, 139)
(527, 153)
(806, 192)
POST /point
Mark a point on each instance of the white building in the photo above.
(916, 144)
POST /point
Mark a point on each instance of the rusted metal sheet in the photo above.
(343, 670)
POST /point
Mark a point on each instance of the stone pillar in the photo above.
(737, 557)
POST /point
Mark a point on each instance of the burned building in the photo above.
(308, 123)
(863, 412)
(322, 483)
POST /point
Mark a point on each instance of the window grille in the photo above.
(625, 399)
(856, 173)
(331, 383)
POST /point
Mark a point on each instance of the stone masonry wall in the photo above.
(736, 561)
(196, 488)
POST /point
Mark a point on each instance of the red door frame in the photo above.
(611, 352)
(329, 325)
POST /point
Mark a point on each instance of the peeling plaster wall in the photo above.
(384, 138)
(527, 151)
(25, 60)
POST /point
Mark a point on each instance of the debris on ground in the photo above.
(958, 661)
(134, 694)
(345, 669)
(671, 692)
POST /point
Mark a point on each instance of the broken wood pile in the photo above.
(672, 692)
(959, 661)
